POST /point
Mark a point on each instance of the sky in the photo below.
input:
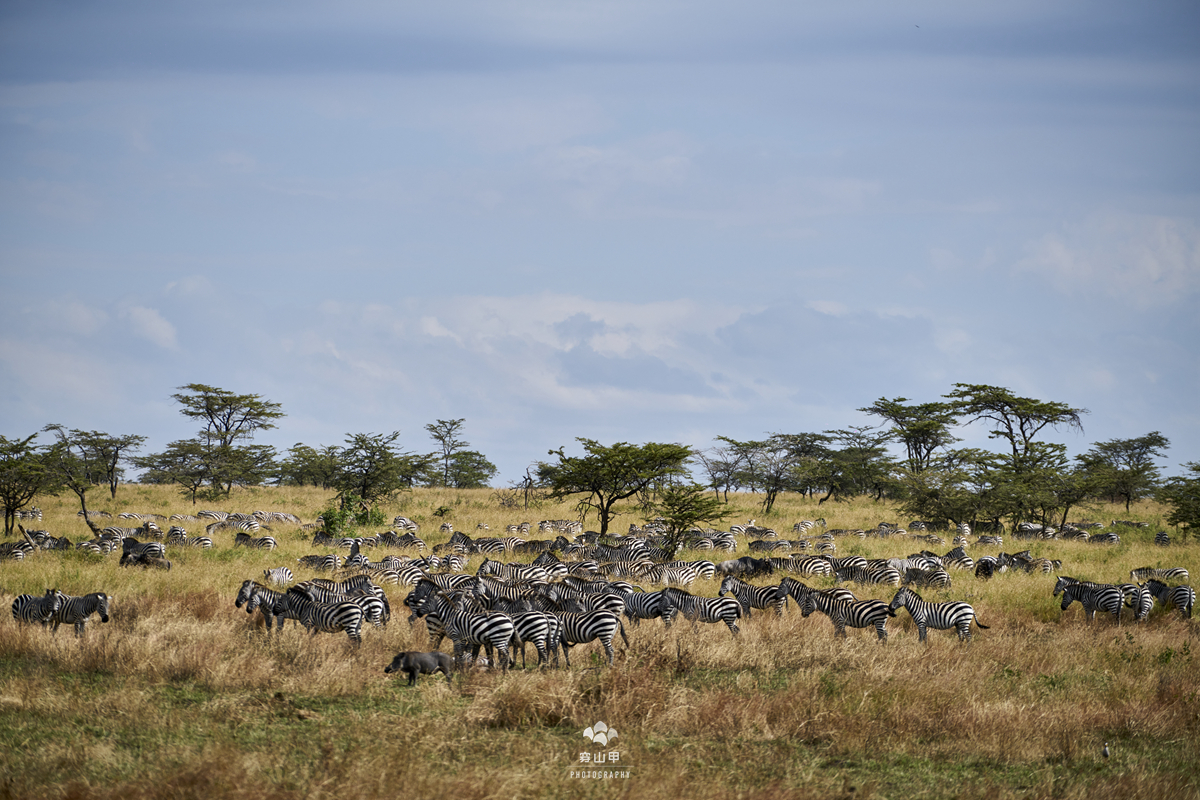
(623, 221)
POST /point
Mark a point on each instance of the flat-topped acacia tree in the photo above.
(608, 474)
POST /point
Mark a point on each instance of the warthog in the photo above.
(412, 664)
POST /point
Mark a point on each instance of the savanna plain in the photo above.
(182, 695)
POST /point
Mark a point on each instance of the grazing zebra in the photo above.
(1139, 599)
(871, 574)
(76, 610)
(317, 617)
(587, 627)
(751, 596)
(939, 616)
(1170, 573)
(137, 550)
(259, 543)
(474, 629)
(538, 627)
(1094, 597)
(30, 608)
(1181, 597)
(1162, 539)
(701, 609)
(936, 578)
(852, 613)
(280, 576)
(327, 563)
(643, 605)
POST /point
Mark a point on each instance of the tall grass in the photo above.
(182, 695)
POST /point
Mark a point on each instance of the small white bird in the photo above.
(1104, 752)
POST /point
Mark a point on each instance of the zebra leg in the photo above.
(881, 630)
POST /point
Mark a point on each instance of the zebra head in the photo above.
(102, 601)
(245, 594)
(809, 604)
(54, 602)
(1061, 584)
(902, 599)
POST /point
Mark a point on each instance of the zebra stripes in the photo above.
(28, 608)
(76, 610)
(590, 626)
(1165, 574)
(1180, 597)
(1094, 597)
(751, 596)
(852, 613)
(318, 617)
(939, 616)
(280, 576)
(701, 609)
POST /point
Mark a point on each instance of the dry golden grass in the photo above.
(181, 695)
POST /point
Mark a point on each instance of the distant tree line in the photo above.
(1028, 478)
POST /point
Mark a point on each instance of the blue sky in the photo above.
(623, 221)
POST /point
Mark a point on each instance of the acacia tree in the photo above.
(923, 429)
(445, 433)
(1125, 468)
(1182, 494)
(230, 420)
(372, 469)
(683, 507)
(100, 455)
(1018, 420)
(23, 476)
(609, 474)
(183, 463)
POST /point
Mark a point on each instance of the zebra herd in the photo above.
(580, 587)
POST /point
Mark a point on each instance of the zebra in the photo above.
(76, 610)
(30, 608)
(871, 574)
(274, 605)
(137, 550)
(1094, 597)
(368, 596)
(853, 613)
(1162, 539)
(317, 617)
(1169, 573)
(490, 630)
(1139, 599)
(327, 563)
(1181, 597)
(590, 626)
(934, 578)
(751, 596)
(939, 616)
(280, 576)
(701, 609)
(538, 627)
(643, 605)
(259, 543)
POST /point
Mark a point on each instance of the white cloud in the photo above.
(1147, 261)
(150, 325)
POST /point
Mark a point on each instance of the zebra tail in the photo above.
(980, 624)
(621, 628)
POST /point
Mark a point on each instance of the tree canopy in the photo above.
(609, 474)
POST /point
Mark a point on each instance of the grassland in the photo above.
(181, 695)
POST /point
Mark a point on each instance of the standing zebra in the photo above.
(345, 615)
(854, 613)
(1163, 574)
(1139, 599)
(1094, 597)
(590, 626)
(1181, 597)
(751, 596)
(30, 608)
(939, 616)
(76, 610)
(701, 609)
(280, 576)
(494, 631)
(643, 605)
